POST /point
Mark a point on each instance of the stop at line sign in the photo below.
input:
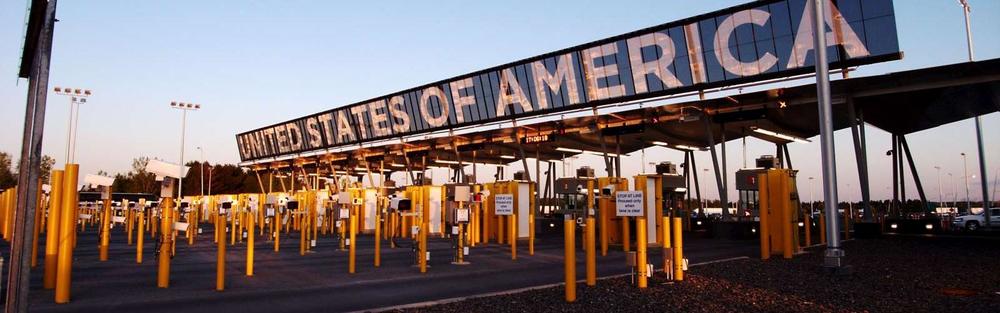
(504, 204)
(628, 203)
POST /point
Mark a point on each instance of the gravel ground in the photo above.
(894, 274)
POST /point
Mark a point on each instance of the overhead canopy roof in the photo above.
(899, 103)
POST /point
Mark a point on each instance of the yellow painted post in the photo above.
(822, 229)
(166, 241)
(52, 231)
(220, 261)
(678, 250)
(303, 231)
(277, 229)
(353, 244)
(378, 236)
(569, 238)
(626, 240)
(847, 223)
(665, 239)
(105, 230)
(808, 225)
(764, 216)
(250, 243)
(67, 233)
(512, 220)
(640, 234)
(787, 226)
(591, 240)
(129, 221)
(139, 238)
(423, 246)
(531, 219)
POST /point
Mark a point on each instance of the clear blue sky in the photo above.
(253, 63)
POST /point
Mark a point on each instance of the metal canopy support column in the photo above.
(725, 173)
(788, 157)
(913, 170)
(618, 156)
(862, 159)
(524, 160)
(604, 146)
(895, 172)
(697, 186)
(460, 172)
(687, 181)
(31, 149)
(902, 171)
(723, 197)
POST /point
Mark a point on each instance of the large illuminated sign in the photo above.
(751, 42)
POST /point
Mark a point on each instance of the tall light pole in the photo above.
(77, 97)
(940, 198)
(984, 181)
(812, 196)
(202, 161)
(704, 200)
(954, 191)
(965, 165)
(184, 107)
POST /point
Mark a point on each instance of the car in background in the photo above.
(972, 222)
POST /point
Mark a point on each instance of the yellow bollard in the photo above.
(822, 229)
(67, 233)
(626, 241)
(139, 237)
(569, 238)
(166, 240)
(378, 238)
(353, 243)
(590, 242)
(52, 230)
(640, 242)
(787, 245)
(277, 230)
(678, 250)
(220, 259)
(105, 230)
(422, 257)
(250, 244)
(513, 236)
(665, 225)
(808, 225)
(764, 226)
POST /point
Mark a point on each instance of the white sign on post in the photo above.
(504, 204)
(628, 203)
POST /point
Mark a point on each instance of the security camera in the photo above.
(164, 169)
(608, 190)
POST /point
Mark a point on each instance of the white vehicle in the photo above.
(974, 221)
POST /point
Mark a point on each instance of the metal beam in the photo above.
(723, 197)
(913, 170)
(862, 161)
(28, 178)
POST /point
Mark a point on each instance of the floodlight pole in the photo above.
(984, 181)
(180, 171)
(834, 255)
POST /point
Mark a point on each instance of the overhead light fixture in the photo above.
(779, 135)
(685, 147)
(660, 143)
(446, 162)
(396, 165)
(569, 150)
(508, 157)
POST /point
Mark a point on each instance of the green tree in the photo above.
(7, 177)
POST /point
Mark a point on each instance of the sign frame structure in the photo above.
(630, 203)
(762, 40)
(503, 204)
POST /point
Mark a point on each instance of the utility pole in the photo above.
(984, 181)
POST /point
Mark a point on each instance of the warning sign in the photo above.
(504, 204)
(628, 203)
